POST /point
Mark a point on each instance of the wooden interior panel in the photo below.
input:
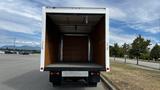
(47, 52)
(75, 49)
(98, 42)
(52, 42)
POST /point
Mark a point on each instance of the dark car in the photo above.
(24, 53)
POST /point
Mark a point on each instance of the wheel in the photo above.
(92, 84)
(58, 83)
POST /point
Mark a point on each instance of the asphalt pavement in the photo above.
(21, 72)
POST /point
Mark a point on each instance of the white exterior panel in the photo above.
(107, 62)
(76, 10)
(42, 58)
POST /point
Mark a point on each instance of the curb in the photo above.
(108, 83)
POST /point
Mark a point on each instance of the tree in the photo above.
(111, 51)
(155, 52)
(125, 49)
(120, 52)
(131, 53)
(116, 50)
(145, 56)
(139, 46)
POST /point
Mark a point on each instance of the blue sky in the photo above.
(21, 19)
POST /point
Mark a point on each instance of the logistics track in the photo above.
(21, 72)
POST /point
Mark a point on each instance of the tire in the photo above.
(58, 83)
(92, 84)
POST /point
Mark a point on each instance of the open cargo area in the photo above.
(75, 41)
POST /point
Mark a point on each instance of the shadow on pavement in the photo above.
(35, 80)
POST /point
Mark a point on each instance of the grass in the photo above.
(127, 77)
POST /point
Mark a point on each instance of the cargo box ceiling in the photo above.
(75, 23)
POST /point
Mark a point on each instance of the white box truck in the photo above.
(75, 43)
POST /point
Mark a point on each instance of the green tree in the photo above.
(145, 56)
(111, 51)
(155, 52)
(120, 52)
(116, 50)
(125, 49)
(139, 46)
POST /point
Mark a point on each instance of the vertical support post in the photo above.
(89, 49)
(61, 49)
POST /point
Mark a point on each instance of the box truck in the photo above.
(75, 43)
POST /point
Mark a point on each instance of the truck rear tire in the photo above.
(56, 83)
(92, 84)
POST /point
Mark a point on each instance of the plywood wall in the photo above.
(52, 42)
(98, 42)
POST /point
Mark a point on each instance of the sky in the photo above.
(21, 20)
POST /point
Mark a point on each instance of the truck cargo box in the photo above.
(75, 44)
(75, 38)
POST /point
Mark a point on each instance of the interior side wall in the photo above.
(52, 42)
(98, 42)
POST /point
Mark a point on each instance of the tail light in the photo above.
(55, 73)
(94, 73)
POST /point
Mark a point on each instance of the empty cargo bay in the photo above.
(75, 41)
